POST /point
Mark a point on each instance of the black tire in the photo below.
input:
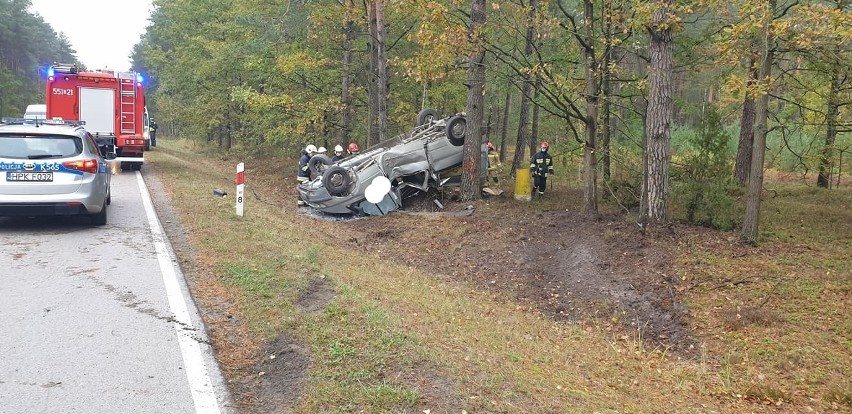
(137, 166)
(100, 219)
(126, 166)
(426, 116)
(318, 163)
(337, 180)
(148, 145)
(456, 130)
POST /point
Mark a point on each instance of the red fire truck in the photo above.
(112, 105)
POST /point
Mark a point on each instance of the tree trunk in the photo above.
(743, 165)
(755, 179)
(472, 154)
(606, 86)
(534, 138)
(590, 193)
(832, 112)
(523, 120)
(658, 119)
(373, 85)
(345, 98)
(504, 129)
(383, 80)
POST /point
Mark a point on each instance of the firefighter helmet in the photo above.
(353, 147)
(322, 150)
(338, 149)
(311, 148)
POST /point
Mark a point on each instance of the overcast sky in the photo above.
(103, 32)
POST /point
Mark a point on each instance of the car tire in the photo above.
(100, 219)
(318, 163)
(336, 180)
(426, 116)
(456, 130)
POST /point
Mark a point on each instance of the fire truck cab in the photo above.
(112, 105)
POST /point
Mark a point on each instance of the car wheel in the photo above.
(318, 163)
(456, 130)
(426, 116)
(336, 180)
(100, 219)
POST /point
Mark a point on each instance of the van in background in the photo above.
(36, 111)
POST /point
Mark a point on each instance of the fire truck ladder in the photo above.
(127, 89)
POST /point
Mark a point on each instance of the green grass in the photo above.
(781, 338)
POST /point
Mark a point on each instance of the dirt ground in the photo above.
(602, 272)
(596, 273)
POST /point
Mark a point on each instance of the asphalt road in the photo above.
(99, 319)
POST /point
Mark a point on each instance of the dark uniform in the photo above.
(541, 166)
(152, 132)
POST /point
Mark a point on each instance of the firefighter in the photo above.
(353, 148)
(152, 132)
(493, 164)
(541, 166)
(321, 150)
(304, 173)
(338, 153)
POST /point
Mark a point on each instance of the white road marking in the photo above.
(203, 393)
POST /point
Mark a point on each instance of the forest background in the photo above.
(264, 78)
(271, 77)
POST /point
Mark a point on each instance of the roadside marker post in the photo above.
(241, 187)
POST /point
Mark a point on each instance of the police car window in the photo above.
(53, 146)
(12, 146)
(91, 146)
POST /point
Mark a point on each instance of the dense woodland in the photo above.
(667, 105)
(27, 46)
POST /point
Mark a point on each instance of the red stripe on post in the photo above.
(241, 177)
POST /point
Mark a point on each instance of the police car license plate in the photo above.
(29, 176)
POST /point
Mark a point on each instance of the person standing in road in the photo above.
(338, 153)
(152, 132)
(541, 166)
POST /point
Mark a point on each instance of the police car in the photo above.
(52, 167)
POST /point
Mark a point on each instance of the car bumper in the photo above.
(44, 209)
(17, 205)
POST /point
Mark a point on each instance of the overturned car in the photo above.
(409, 162)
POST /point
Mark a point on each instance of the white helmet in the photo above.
(321, 150)
(338, 149)
(311, 148)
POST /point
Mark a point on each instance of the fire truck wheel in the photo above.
(147, 145)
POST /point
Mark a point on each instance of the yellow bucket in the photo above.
(523, 186)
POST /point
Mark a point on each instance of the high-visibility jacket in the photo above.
(541, 164)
